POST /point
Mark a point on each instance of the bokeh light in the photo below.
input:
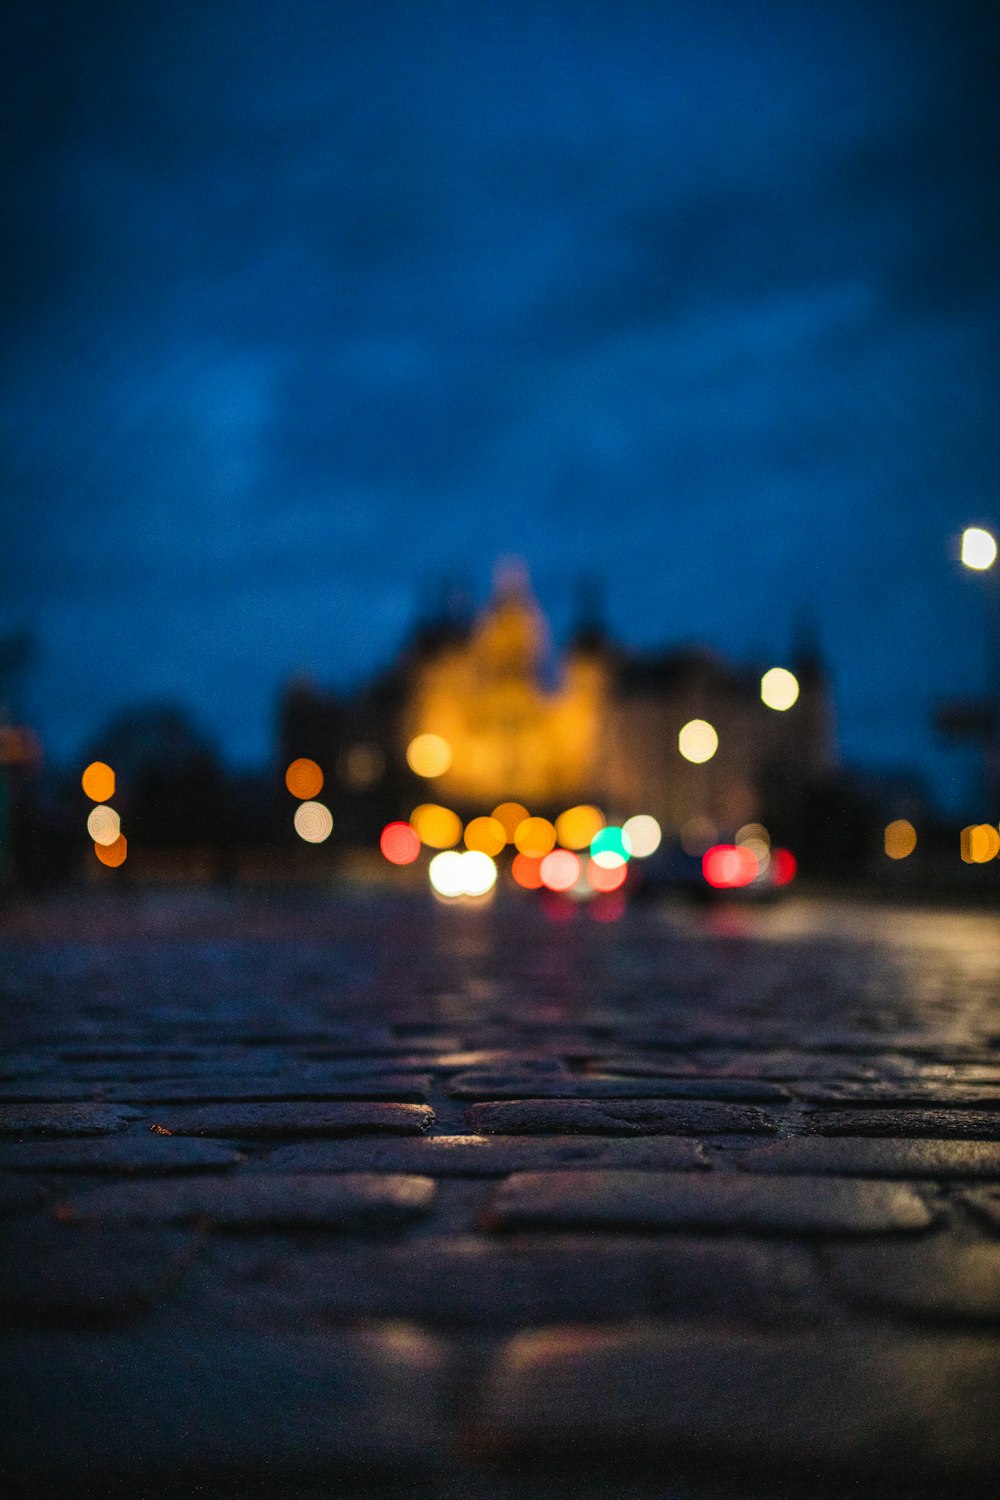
(485, 835)
(643, 833)
(577, 826)
(900, 838)
(535, 836)
(560, 870)
(428, 755)
(453, 873)
(479, 872)
(114, 854)
(779, 689)
(510, 815)
(399, 843)
(697, 835)
(728, 866)
(783, 866)
(104, 825)
(753, 832)
(446, 875)
(304, 779)
(313, 822)
(979, 551)
(697, 741)
(604, 878)
(980, 843)
(437, 827)
(98, 781)
(760, 850)
(610, 848)
(527, 872)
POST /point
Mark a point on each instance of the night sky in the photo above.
(307, 305)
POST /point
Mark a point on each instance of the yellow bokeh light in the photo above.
(428, 755)
(760, 850)
(979, 551)
(304, 779)
(577, 826)
(104, 824)
(698, 741)
(753, 831)
(643, 834)
(980, 843)
(114, 854)
(313, 822)
(98, 781)
(779, 689)
(485, 835)
(511, 815)
(900, 838)
(535, 837)
(437, 827)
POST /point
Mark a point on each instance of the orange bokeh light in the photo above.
(510, 815)
(535, 837)
(113, 854)
(527, 872)
(304, 779)
(486, 835)
(98, 781)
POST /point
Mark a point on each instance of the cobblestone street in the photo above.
(334, 1196)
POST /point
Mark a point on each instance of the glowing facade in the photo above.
(593, 724)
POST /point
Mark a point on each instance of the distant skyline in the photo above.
(307, 306)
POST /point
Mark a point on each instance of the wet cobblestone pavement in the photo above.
(333, 1196)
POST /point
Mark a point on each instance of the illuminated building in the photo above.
(592, 724)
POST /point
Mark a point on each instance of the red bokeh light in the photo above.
(783, 866)
(601, 879)
(728, 866)
(559, 870)
(399, 843)
(527, 871)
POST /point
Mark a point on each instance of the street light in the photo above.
(979, 548)
(979, 552)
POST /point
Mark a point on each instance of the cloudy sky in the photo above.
(308, 304)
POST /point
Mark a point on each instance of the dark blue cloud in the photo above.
(307, 304)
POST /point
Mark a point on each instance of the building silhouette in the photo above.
(594, 722)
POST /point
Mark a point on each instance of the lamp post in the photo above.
(979, 553)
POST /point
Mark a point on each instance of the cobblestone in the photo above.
(955, 1124)
(630, 1117)
(63, 1119)
(947, 1282)
(136, 1409)
(352, 1200)
(647, 1200)
(859, 1157)
(490, 1086)
(78, 1277)
(485, 1156)
(119, 1154)
(896, 1408)
(328, 1193)
(295, 1119)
